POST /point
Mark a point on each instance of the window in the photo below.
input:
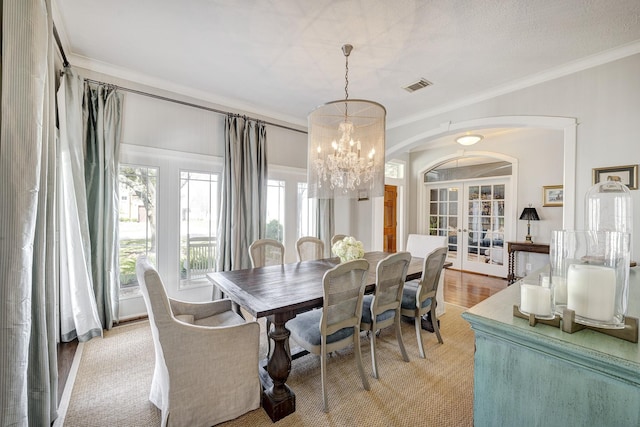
(275, 210)
(306, 209)
(199, 195)
(394, 170)
(137, 225)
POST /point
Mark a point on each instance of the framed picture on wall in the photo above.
(628, 175)
(552, 195)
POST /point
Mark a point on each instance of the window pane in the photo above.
(275, 210)
(198, 226)
(137, 225)
(306, 209)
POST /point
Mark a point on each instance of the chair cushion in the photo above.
(366, 311)
(306, 326)
(409, 296)
(226, 318)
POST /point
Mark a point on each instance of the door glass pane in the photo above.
(306, 208)
(198, 226)
(137, 221)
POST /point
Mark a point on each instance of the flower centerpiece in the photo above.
(348, 249)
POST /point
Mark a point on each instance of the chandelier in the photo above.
(346, 146)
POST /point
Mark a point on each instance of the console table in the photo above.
(542, 376)
(513, 247)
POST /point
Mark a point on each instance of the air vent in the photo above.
(420, 84)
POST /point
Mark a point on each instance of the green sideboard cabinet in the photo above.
(541, 376)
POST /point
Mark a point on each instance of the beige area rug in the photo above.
(114, 376)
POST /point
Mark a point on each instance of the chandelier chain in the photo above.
(346, 77)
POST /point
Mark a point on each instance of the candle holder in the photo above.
(590, 274)
(567, 324)
(536, 299)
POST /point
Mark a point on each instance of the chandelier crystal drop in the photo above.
(346, 147)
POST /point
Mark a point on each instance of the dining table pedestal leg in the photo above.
(278, 400)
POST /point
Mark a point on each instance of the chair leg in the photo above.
(416, 322)
(374, 361)
(323, 371)
(365, 382)
(434, 322)
(403, 351)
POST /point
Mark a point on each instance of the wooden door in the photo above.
(390, 223)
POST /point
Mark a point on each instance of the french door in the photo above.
(472, 216)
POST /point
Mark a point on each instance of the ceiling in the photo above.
(283, 58)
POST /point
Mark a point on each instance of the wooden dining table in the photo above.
(279, 293)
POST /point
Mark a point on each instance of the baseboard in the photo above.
(68, 388)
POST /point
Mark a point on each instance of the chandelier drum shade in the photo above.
(346, 147)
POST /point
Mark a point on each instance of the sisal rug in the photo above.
(114, 375)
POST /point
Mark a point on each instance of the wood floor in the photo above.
(460, 288)
(468, 289)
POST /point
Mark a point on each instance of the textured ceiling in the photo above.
(282, 58)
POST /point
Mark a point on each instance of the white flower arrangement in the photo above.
(348, 249)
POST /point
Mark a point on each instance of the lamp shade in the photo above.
(346, 149)
(530, 214)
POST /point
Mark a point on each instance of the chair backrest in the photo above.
(431, 271)
(343, 287)
(264, 252)
(309, 248)
(158, 307)
(337, 237)
(153, 292)
(391, 273)
(421, 244)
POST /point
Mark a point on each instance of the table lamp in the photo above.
(529, 214)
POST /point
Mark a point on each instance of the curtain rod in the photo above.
(65, 63)
(190, 104)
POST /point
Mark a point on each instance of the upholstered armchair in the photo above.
(206, 368)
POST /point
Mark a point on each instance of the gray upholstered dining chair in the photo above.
(309, 248)
(264, 252)
(336, 238)
(337, 325)
(382, 308)
(419, 296)
(197, 380)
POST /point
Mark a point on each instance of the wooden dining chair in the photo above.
(382, 308)
(337, 325)
(309, 248)
(419, 296)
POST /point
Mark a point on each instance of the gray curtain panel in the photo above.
(325, 224)
(244, 191)
(102, 110)
(78, 311)
(28, 363)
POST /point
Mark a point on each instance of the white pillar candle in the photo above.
(591, 291)
(535, 299)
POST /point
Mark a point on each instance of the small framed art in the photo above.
(552, 195)
(628, 175)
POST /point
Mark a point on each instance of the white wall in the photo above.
(605, 100)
